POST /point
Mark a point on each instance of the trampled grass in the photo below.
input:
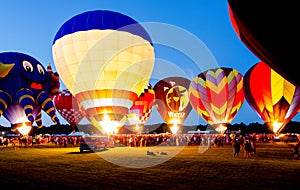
(273, 167)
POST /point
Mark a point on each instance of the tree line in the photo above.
(291, 127)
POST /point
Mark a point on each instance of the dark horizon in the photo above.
(255, 127)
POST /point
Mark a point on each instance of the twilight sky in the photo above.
(30, 27)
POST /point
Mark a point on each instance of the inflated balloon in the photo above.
(105, 59)
(217, 95)
(274, 99)
(172, 101)
(270, 30)
(26, 88)
(66, 104)
(140, 111)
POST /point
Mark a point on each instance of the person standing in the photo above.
(177, 141)
(247, 149)
(296, 149)
(33, 141)
(65, 142)
(141, 141)
(236, 148)
(253, 146)
(16, 144)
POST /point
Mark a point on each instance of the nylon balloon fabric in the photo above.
(271, 96)
(217, 96)
(67, 106)
(171, 99)
(141, 110)
(270, 31)
(105, 59)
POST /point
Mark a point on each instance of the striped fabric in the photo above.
(105, 59)
(217, 95)
(273, 98)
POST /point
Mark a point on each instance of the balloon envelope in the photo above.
(105, 59)
(140, 111)
(171, 99)
(16, 116)
(274, 99)
(270, 30)
(26, 88)
(68, 107)
(217, 95)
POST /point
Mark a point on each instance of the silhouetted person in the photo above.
(236, 144)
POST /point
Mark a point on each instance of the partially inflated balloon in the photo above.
(270, 30)
(105, 59)
(217, 95)
(68, 107)
(274, 99)
(172, 101)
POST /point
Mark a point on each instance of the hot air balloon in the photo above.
(269, 29)
(105, 59)
(217, 95)
(140, 111)
(172, 101)
(274, 99)
(66, 104)
(26, 88)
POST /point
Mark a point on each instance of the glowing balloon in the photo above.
(217, 95)
(26, 88)
(105, 59)
(68, 107)
(172, 101)
(140, 111)
(274, 99)
(270, 30)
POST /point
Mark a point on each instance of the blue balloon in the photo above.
(25, 89)
(101, 19)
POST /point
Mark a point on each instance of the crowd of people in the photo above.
(30, 141)
(245, 144)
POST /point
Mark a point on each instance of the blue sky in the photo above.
(30, 26)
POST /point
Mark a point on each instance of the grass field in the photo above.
(273, 167)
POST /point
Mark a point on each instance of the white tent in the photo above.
(76, 134)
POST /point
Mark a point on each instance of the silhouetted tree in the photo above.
(291, 127)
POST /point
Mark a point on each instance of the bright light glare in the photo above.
(221, 128)
(108, 126)
(276, 126)
(137, 127)
(174, 121)
(174, 128)
(24, 129)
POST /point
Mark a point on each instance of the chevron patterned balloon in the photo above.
(217, 95)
